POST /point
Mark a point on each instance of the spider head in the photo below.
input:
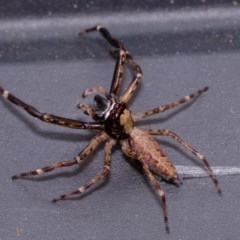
(115, 116)
(112, 113)
(102, 107)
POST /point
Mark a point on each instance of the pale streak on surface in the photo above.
(198, 172)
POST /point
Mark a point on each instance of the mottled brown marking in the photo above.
(149, 151)
(126, 121)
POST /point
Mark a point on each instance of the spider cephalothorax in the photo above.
(119, 123)
(113, 122)
(114, 115)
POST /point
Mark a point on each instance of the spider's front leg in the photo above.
(128, 93)
(49, 118)
(77, 160)
(160, 109)
(102, 174)
(120, 53)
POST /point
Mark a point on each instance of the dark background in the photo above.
(181, 48)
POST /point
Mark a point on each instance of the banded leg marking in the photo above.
(177, 138)
(106, 34)
(49, 118)
(120, 53)
(92, 90)
(78, 159)
(86, 109)
(127, 95)
(159, 192)
(118, 71)
(102, 174)
(46, 169)
(160, 109)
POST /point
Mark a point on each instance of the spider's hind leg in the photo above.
(174, 136)
(159, 192)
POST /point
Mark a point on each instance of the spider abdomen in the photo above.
(148, 150)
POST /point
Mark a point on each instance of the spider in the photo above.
(114, 122)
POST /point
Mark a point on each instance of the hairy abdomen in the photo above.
(149, 151)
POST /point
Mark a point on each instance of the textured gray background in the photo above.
(181, 48)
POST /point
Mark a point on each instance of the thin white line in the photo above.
(196, 172)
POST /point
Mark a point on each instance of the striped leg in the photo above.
(102, 174)
(78, 159)
(49, 118)
(174, 136)
(95, 90)
(127, 95)
(121, 56)
(86, 109)
(118, 71)
(159, 192)
(161, 109)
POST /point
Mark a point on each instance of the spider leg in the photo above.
(94, 90)
(128, 93)
(118, 71)
(86, 109)
(102, 174)
(164, 132)
(159, 192)
(121, 56)
(128, 151)
(161, 109)
(77, 160)
(49, 118)
(106, 34)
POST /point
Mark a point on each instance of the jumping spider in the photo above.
(114, 122)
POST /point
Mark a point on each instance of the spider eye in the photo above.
(100, 103)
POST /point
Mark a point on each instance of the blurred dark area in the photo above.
(40, 30)
(23, 8)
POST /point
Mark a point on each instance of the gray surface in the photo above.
(50, 71)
